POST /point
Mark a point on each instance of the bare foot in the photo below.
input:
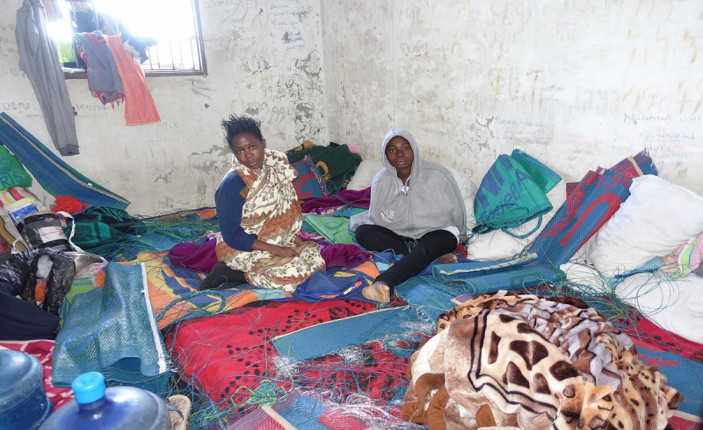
(447, 258)
(378, 292)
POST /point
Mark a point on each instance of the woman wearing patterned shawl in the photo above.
(259, 216)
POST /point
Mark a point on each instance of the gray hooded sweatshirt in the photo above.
(431, 201)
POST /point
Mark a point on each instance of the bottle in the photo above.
(96, 407)
(23, 401)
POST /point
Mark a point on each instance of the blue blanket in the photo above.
(509, 278)
(54, 175)
(332, 336)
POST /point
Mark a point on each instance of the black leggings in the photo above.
(222, 276)
(418, 254)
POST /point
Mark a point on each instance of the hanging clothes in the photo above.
(103, 78)
(139, 106)
(39, 61)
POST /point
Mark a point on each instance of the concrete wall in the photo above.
(575, 84)
(264, 59)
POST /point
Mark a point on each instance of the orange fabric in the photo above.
(139, 105)
(168, 305)
(99, 279)
(40, 290)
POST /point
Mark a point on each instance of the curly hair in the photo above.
(235, 125)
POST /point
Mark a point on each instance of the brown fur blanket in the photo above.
(531, 362)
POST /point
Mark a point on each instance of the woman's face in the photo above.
(399, 153)
(249, 150)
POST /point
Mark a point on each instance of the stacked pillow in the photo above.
(657, 217)
(651, 223)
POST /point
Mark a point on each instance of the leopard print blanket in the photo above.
(532, 362)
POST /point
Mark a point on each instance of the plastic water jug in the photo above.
(96, 407)
(23, 401)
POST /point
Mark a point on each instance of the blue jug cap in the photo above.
(88, 387)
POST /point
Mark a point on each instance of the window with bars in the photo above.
(164, 35)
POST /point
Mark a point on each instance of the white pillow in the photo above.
(498, 245)
(656, 218)
(674, 304)
(364, 173)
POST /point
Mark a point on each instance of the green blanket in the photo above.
(337, 164)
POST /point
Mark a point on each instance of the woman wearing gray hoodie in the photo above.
(416, 210)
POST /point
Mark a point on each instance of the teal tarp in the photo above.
(513, 191)
(112, 330)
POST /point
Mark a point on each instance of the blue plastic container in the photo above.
(23, 401)
(96, 407)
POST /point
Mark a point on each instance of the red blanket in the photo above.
(229, 356)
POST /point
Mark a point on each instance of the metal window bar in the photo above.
(178, 54)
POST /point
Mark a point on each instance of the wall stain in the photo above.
(252, 111)
(236, 35)
(257, 64)
(310, 65)
(200, 88)
(289, 37)
(485, 123)
(303, 118)
(217, 150)
(294, 90)
(303, 14)
(304, 111)
(201, 187)
(165, 177)
(217, 159)
(166, 204)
